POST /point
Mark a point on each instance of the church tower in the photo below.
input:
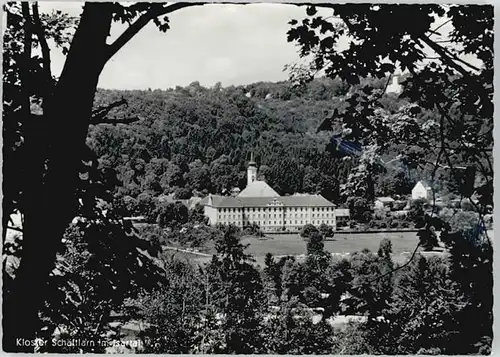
(252, 170)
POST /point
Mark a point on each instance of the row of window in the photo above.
(267, 209)
(280, 222)
(253, 216)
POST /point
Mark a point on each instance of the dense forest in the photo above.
(198, 140)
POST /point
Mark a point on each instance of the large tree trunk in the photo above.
(50, 193)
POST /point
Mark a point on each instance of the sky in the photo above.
(231, 44)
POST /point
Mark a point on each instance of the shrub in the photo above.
(394, 223)
(326, 230)
(308, 230)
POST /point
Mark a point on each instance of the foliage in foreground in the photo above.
(289, 307)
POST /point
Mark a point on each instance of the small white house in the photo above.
(421, 191)
(383, 202)
(394, 87)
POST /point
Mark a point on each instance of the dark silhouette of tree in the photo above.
(237, 296)
(52, 145)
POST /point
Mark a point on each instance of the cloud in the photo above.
(232, 44)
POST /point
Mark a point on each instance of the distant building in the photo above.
(421, 191)
(342, 217)
(261, 204)
(384, 202)
(400, 213)
(394, 87)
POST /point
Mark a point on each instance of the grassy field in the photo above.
(292, 244)
(403, 244)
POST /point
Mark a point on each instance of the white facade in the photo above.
(421, 191)
(251, 171)
(273, 216)
(383, 202)
(394, 87)
(259, 203)
(251, 174)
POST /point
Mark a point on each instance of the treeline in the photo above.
(197, 139)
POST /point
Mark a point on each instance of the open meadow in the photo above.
(403, 244)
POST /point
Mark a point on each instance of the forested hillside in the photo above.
(200, 139)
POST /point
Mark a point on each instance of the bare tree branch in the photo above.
(396, 269)
(17, 229)
(142, 21)
(434, 31)
(448, 57)
(99, 114)
(115, 121)
(104, 110)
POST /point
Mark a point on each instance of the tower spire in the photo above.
(251, 170)
(252, 160)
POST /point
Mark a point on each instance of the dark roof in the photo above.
(287, 201)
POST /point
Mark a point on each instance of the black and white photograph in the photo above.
(284, 178)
